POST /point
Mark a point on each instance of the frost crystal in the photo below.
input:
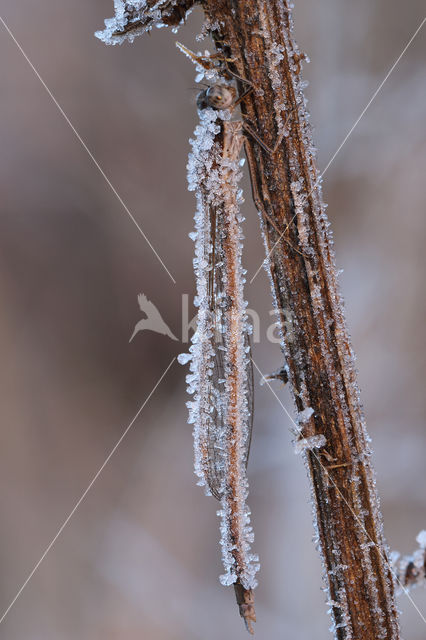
(184, 358)
(303, 416)
(421, 539)
(307, 444)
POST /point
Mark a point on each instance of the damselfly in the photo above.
(221, 376)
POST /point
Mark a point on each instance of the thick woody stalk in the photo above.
(257, 36)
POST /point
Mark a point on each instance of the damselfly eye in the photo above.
(220, 96)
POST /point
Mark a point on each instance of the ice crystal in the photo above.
(307, 444)
(421, 539)
(303, 416)
(184, 358)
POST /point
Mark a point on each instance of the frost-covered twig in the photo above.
(410, 571)
(134, 17)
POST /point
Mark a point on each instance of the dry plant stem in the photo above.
(315, 339)
(172, 14)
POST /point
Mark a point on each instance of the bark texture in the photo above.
(257, 37)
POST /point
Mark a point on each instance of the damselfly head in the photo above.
(218, 96)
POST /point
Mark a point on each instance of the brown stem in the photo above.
(257, 37)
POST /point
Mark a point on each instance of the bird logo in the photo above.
(153, 321)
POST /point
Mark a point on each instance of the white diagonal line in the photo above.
(346, 137)
(78, 503)
(315, 455)
(374, 95)
(86, 148)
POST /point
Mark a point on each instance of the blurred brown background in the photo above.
(140, 557)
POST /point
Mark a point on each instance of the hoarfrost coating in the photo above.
(421, 539)
(220, 378)
(282, 62)
(135, 17)
(307, 444)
